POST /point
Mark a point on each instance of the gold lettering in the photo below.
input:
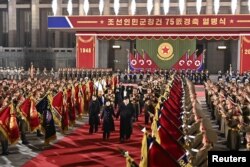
(178, 21)
(167, 21)
(222, 21)
(206, 21)
(151, 22)
(85, 50)
(158, 22)
(247, 51)
(111, 22)
(214, 21)
(172, 22)
(127, 22)
(119, 22)
(187, 21)
(195, 21)
(134, 22)
(143, 22)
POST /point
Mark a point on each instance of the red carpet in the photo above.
(81, 149)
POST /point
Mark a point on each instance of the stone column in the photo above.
(12, 23)
(209, 7)
(157, 7)
(35, 18)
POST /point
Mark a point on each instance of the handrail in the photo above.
(20, 49)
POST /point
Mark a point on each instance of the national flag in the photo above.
(8, 124)
(48, 125)
(149, 63)
(29, 113)
(190, 62)
(181, 63)
(133, 61)
(199, 62)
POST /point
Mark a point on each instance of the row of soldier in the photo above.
(138, 75)
(77, 73)
(230, 107)
(234, 76)
(16, 92)
(180, 115)
(20, 73)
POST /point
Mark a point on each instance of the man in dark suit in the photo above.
(94, 111)
(126, 113)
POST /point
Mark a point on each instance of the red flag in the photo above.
(170, 126)
(170, 144)
(8, 124)
(133, 62)
(157, 156)
(149, 63)
(181, 64)
(57, 104)
(29, 113)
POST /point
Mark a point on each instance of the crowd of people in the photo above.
(229, 102)
(104, 96)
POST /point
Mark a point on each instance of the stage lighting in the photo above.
(133, 7)
(54, 7)
(233, 6)
(101, 6)
(198, 6)
(116, 6)
(182, 6)
(150, 6)
(70, 7)
(86, 6)
(216, 6)
(166, 6)
(116, 46)
(222, 47)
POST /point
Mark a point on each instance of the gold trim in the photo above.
(246, 40)
(87, 22)
(243, 21)
(85, 41)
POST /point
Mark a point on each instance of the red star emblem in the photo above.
(165, 50)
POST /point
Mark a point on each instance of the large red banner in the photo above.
(159, 22)
(245, 54)
(85, 51)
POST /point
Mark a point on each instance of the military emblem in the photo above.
(165, 51)
(181, 62)
(197, 63)
(189, 62)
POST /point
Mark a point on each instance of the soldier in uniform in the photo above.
(1, 73)
(141, 75)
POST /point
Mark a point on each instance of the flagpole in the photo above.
(128, 69)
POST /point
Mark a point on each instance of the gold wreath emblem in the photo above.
(165, 51)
